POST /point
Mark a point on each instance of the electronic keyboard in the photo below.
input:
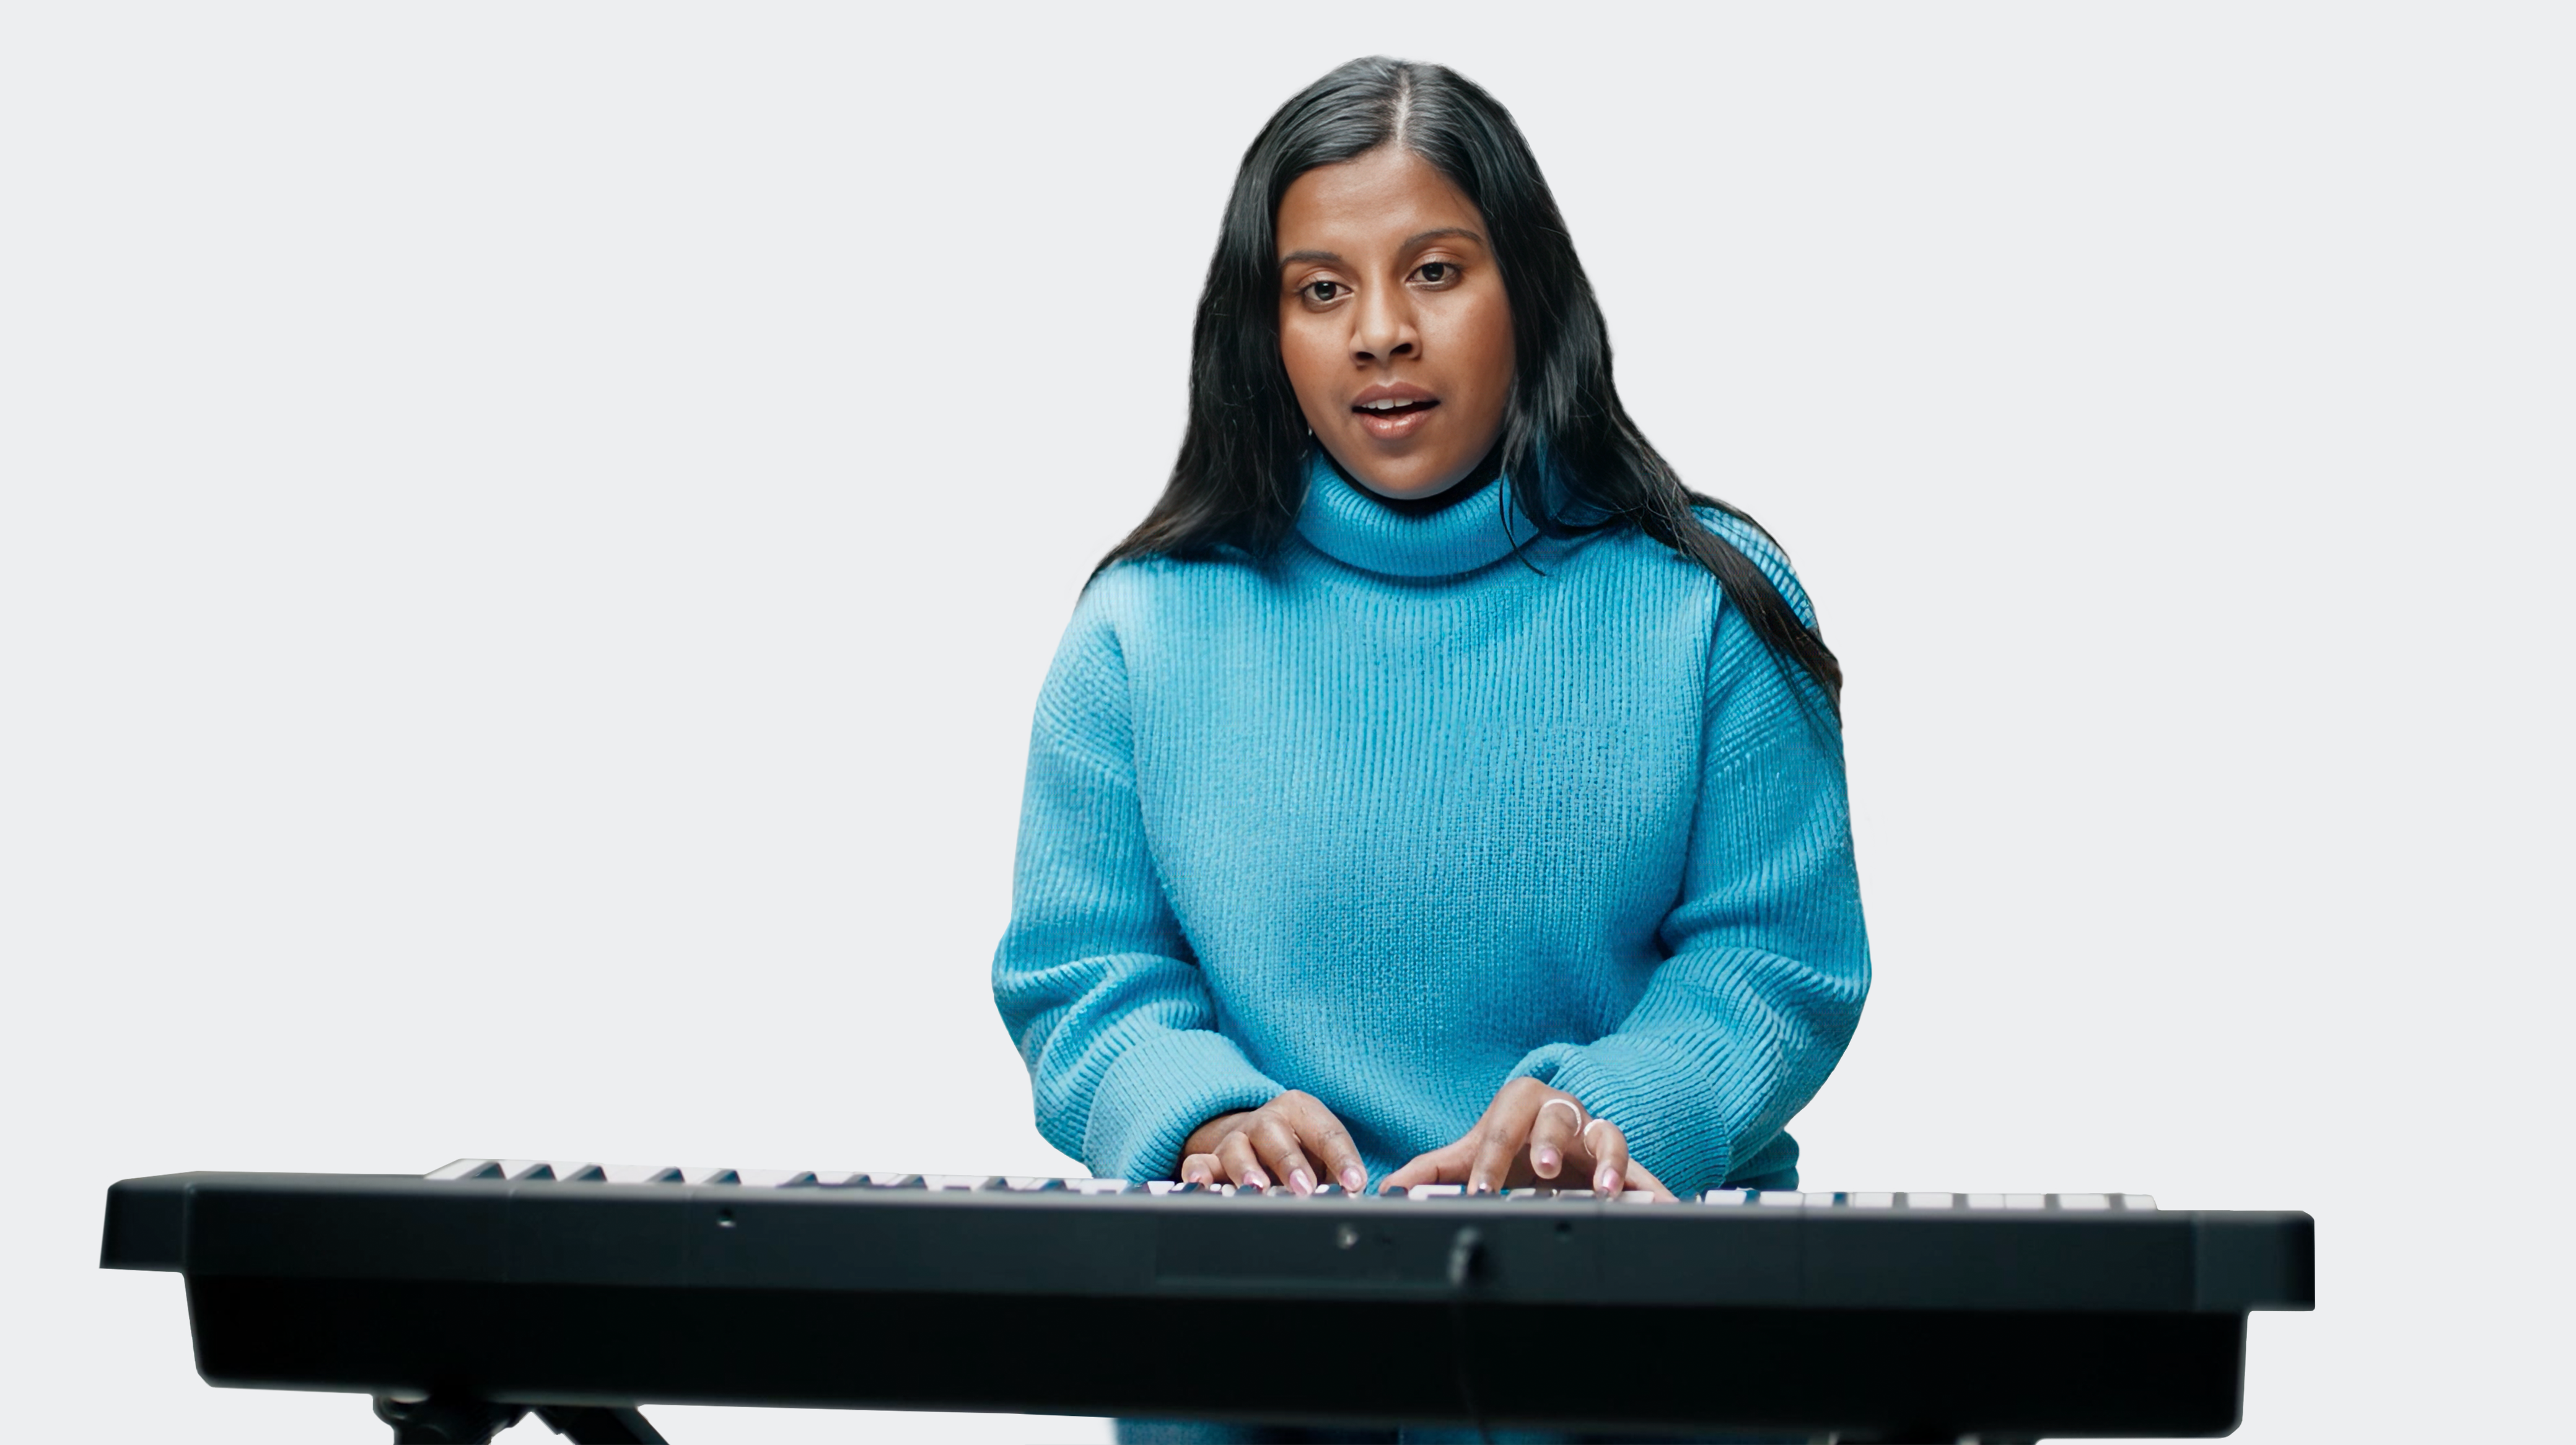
(488, 1289)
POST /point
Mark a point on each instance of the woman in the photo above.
(1430, 789)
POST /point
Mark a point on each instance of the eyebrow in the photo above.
(1416, 239)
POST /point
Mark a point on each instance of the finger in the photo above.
(1552, 1133)
(1499, 1138)
(1606, 1147)
(1326, 1138)
(1200, 1169)
(1242, 1166)
(1640, 1177)
(1609, 1157)
(1276, 1142)
(1444, 1165)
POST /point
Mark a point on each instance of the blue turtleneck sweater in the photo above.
(1410, 811)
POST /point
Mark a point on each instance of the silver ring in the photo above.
(1579, 1124)
(1586, 1134)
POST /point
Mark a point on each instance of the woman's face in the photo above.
(1392, 321)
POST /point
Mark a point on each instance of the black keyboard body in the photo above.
(1815, 1314)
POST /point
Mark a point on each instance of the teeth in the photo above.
(1380, 405)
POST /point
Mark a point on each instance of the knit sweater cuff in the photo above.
(1159, 1090)
(1673, 1123)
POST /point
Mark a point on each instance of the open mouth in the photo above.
(1393, 408)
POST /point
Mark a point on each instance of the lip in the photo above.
(1401, 424)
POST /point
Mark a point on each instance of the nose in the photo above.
(1382, 326)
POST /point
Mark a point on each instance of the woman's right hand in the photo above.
(1283, 1141)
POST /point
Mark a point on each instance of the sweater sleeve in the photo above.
(1767, 959)
(1093, 977)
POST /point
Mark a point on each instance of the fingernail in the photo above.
(1606, 1181)
(1256, 1180)
(1544, 1161)
(1354, 1180)
(1300, 1181)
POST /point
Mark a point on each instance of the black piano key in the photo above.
(667, 1176)
(801, 1181)
(1048, 1186)
(993, 1183)
(1329, 1191)
(587, 1174)
(535, 1174)
(1193, 1187)
(896, 1181)
(723, 1176)
(488, 1169)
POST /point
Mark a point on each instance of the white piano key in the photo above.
(564, 1170)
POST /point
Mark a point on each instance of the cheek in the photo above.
(1309, 360)
(1484, 344)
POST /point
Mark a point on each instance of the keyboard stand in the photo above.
(442, 1420)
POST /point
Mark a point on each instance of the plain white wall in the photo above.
(530, 534)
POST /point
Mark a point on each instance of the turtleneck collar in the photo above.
(1347, 524)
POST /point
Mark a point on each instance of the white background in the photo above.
(530, 534)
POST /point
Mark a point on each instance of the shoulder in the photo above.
(1142, 603)
(1757, 547)
(1137, 598)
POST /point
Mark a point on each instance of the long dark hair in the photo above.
(1241, 475)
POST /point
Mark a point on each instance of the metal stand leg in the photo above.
(600, 1424)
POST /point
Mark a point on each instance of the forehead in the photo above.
(1371, 202)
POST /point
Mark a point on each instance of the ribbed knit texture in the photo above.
(1408, 812)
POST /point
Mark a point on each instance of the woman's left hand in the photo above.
(1532, 1134)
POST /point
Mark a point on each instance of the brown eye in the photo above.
(1436, 272)
(1320, 292)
